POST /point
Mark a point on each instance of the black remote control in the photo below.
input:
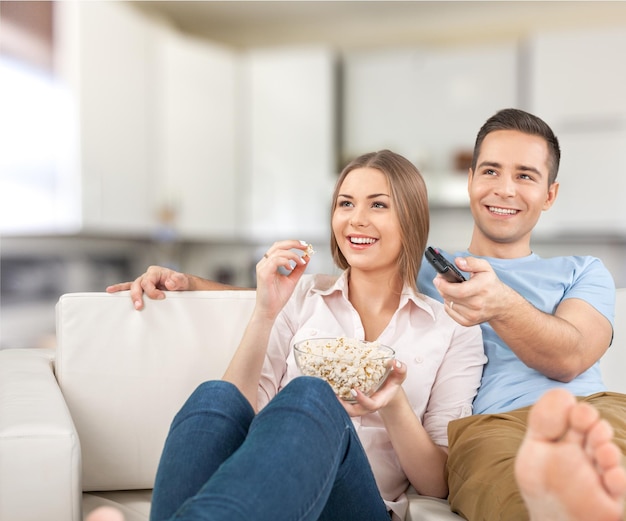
(441, 264)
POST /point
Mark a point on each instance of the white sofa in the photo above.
(83, 425)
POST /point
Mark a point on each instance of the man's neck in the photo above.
(483, 247)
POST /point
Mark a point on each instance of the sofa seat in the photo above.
(135, 504)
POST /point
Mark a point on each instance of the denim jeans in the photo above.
(298, 459)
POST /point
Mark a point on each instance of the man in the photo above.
(545, 322)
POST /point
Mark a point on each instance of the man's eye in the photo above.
(490, 171)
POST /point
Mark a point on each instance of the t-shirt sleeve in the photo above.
(594, 284)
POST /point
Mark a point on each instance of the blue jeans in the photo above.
(298, 459)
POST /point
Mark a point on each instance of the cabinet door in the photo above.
(427, 105)
(592, 180)
(578, 85)
(290, 161)
(113, 66)
(578, 79)
(196, 91)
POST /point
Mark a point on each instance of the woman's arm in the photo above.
(421, 447)
(273, 291)
(423, 462)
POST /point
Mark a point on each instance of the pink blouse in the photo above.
(444, 365)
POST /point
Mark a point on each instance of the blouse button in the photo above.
(419, 359)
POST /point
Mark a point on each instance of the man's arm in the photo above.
(157, 279)
(561, 345)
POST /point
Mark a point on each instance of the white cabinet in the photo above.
(592, 189)
(154, 125)
(195, 93)
(578, 85)
(578, 78)
(103, 52)
(427, 105)
(289, 139)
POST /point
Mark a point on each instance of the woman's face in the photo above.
(365, 223)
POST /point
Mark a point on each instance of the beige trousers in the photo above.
(482, 456)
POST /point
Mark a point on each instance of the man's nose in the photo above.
(505, 186)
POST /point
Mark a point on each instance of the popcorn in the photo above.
(344, 363)
(309, 250)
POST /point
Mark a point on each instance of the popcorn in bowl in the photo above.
(345, 363)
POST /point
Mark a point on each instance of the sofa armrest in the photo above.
(39, 448)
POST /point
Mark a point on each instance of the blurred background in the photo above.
(194, 134)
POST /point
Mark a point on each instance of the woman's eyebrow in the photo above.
(372, 196)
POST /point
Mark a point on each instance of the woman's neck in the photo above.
(375, 298)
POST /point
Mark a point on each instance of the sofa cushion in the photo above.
(125, 373)
(134, 504)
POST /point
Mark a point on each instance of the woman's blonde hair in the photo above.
(410, 201)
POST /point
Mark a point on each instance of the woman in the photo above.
(263, 443)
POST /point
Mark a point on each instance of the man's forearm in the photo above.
(560, 346)
(200, 284)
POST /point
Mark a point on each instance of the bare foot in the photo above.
(105, 514)
(568, 468)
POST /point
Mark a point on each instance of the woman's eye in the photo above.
(377, 204)
(344, 204)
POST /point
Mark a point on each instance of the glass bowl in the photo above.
(345, 363)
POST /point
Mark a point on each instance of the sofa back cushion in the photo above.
(613, 362)
(125, 373)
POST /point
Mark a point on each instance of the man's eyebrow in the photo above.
(525, 168)
(522, 168)
(488, 163)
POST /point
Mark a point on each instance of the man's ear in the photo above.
(553, 191)
(470, 175)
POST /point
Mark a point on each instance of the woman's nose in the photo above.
(358, 218)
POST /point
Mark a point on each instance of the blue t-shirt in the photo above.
(508, 383)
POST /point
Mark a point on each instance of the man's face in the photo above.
(508, 190)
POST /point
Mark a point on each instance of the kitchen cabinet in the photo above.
(592, 180)
(153, 126)
(577, 84)
(426, 104)
(577, 78)
(103, 54)
(195, 90)
(289, 142)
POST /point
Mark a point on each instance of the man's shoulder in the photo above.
(566, 266)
